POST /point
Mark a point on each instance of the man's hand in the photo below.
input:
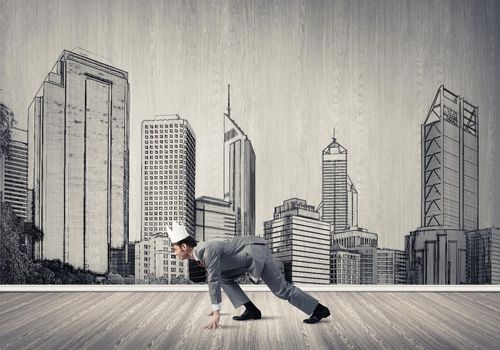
(214, 321)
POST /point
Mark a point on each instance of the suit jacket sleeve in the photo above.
(212, 262)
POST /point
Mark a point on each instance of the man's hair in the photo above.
(189, 241)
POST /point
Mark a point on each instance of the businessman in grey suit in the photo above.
(224, 261)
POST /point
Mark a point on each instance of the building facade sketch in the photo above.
(239, 174)
(214, 219)
(436, 251)
(300, 241)
(168, 175)
(78, 162)
(94, 174)
(14, 173)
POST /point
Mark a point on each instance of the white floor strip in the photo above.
(247, 287)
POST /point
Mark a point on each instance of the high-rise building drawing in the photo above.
(168, 175)
(391, 266)
(78, 134)
(14, 173)
(450, 191)
(483, 256)
(239, 175)
(450, 158)
(364, 243)
(339, 195)
(301, 241)
(155, 261)
(214, 219)
(345, 266)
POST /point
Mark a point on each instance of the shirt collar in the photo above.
(194, 254)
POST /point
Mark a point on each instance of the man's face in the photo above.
(181, 251)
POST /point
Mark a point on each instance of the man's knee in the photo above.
(284, 291)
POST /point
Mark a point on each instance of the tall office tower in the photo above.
(345, 266)
(214, 219)
(364, 243)
(391, 266)
(339, 195)
(78, 134)
(155, 261)
(239, 175)
(450, 191)
(450, 164)
(483, 256)
(299, 239)
(168, 175)
(334, 186)
(14, 173)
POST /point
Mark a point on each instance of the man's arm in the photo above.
(212, 261)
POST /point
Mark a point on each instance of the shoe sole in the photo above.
(246, 319)
(322, 317)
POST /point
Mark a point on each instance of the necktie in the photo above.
(200, 264)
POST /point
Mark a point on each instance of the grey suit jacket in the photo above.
(247, 254)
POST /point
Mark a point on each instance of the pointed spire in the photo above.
(333, 138)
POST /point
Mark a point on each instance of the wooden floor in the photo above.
(174, 320)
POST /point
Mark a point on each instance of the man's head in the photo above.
(184, 248)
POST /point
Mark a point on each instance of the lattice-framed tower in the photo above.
(450, 163)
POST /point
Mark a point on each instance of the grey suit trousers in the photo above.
(276, 282)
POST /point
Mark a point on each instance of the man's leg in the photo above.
(238, 297)
(283, 289)
(234, 293)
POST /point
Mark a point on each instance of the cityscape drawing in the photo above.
(66, 190)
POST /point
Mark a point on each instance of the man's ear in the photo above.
(183, 246)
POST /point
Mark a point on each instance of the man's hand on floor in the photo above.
(214, 321)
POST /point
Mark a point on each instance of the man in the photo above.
(225, 261)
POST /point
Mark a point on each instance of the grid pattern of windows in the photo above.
(168, 175)
(345, 268)
(156, 261)
(14, 177)
(302, 244)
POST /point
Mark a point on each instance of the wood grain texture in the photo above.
(298, 68)
(174, 321)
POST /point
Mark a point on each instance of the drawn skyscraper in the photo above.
(339, 196)
(14, 173)
(214, 219)
(450, 191)
(78, 134)
(301, 241)
(450, 171)
(239, 175)
(168, 175)
(364, 243)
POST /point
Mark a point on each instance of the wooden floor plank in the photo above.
(175, 320)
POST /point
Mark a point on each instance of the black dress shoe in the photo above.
(319, 313)
(248, 315)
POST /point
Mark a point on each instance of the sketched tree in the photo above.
(15, 266)
(6, 123)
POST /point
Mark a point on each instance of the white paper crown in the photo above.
(177, 233)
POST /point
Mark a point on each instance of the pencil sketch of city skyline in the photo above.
(326, 116)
